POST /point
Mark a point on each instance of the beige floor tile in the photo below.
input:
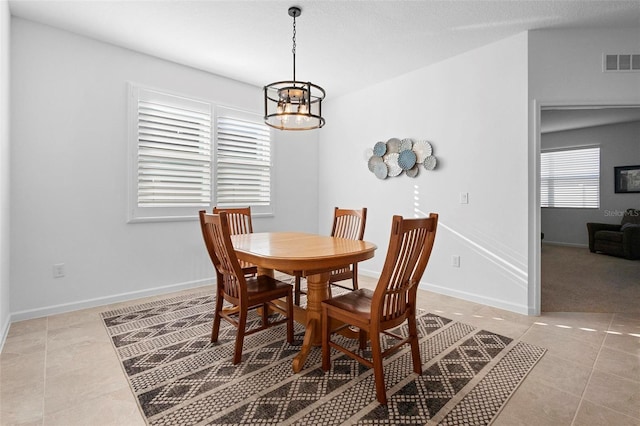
(500, 314)
(614, 392)
(578, 320)
(590, 414)
(117, 408)
(127, 303)
(71, 319)
(33, 423)
(562, 345)
(623, 342)
(626, 323)
(594, 336)
(90, 332)
(21, 370)
(620, 363)
(21, 404)
(24, 344)
(536, 404)
(80, 355)
(560, 374)
(20, 328)
(69, 388)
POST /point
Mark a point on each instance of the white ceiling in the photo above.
(341, 45)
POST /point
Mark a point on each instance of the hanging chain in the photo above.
(294, 36)
(293, 50)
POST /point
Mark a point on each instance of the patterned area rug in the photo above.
(180, 378)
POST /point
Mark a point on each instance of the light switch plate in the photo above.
(464, 198)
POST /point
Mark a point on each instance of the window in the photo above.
(570, 178)
(170, 137)
(243, 161)
(172, 157)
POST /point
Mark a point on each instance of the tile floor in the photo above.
(62, 370)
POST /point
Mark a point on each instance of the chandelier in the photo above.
(293, 105)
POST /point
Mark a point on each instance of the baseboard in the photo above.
(107, 300)
(368, 273)
(470, 297)
(475, 298)
(4, 332)
(558, 243)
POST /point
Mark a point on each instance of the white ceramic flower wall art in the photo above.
(397, 156)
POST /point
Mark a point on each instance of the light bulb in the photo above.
(303, 108)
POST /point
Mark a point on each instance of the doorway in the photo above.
(572, 279)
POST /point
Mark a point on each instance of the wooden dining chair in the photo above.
(243, 293)
(391, 304)
(347, 223)
(240, 223)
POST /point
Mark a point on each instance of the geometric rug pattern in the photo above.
(180, 378)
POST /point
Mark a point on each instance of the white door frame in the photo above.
(535, 227)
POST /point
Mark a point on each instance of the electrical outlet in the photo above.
(58, 270)
(464, 198)
(455, 261)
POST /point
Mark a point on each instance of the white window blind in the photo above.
(172, 170)
(243, 163)
(570, 178)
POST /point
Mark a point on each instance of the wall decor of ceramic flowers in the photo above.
(395, 156)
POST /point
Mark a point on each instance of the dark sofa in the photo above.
(617, 240)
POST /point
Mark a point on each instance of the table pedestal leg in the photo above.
(268, 272)
(317, 291)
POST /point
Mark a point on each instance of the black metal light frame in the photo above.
(291, 104)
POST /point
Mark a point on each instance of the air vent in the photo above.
(621, 63)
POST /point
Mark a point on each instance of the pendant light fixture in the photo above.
(293, 105)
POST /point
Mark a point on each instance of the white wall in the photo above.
(69, 169)
(619, 146)
(473, 108)
(5, 20)
(565, 68)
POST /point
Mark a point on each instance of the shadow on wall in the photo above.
(513, 267)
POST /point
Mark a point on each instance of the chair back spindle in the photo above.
(217, 231)
(409, 250)
(349, 223)
(239, 219)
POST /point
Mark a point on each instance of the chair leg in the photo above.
(362, 338)
(415, 349)
(326, 332)
(242, 323)
(290, 318)
(216, 318)
(355, 276)
(378, 372)
(265, 315)
(297, 290)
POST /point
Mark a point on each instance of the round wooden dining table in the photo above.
(314, 256)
